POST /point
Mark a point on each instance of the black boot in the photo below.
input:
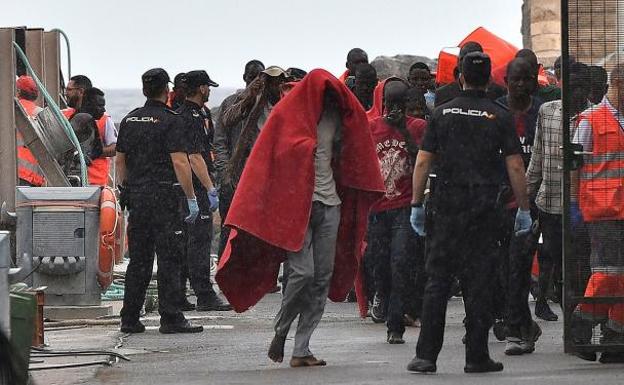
(591, 356)
(212, 302)
(486, 366)
(395, 338)
(543, 311)
(133, 328)
(611, 358)
(187, 306)
(499, 330)
(180, 327)
(420, 365)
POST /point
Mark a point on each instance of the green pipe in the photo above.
(66, 38)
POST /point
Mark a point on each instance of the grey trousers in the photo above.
(309, 275)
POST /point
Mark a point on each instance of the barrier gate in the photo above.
(593, 177)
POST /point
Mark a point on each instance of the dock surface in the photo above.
(232, 350)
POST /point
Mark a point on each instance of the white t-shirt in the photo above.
(584, 132)
(110, 132)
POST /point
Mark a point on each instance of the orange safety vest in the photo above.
(601, 195)
(604, 285)
(68, 112)
(98, 170)
(27, 165)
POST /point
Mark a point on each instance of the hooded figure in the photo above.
(377, 109)
(311, 179)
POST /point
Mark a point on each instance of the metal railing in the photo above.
(593, 254)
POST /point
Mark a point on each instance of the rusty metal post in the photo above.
(35, 53)
(51, 72)
(8, 157)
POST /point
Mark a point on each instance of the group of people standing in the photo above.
(394, 190)
(94, 128)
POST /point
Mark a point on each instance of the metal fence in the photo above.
(593, 181)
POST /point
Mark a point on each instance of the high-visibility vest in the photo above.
(27, 166)
(603, 284)
(98, 170)
(601, 194)
(69, 112)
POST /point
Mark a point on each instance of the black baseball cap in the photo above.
(477, 64)
(198, 78)
(178, 79)
(294, 73)
(155, 77)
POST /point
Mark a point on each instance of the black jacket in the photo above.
(148, 136)
(468, 136)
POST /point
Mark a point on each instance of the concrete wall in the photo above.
(594, 28)
(541, 28)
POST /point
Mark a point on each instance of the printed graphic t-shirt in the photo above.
(394, 161)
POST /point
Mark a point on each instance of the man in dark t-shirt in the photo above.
(468, 139)
(511, 301)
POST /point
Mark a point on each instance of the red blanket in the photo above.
(343, 78)
(377, 109)
(271, 208)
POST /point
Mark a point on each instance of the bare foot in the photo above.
(276, 350)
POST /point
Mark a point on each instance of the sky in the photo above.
(115, 41)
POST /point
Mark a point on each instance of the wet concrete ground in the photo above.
(232, 350)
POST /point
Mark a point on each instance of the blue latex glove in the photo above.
(523, 222)
(417, 219)
(576, 217)
(193, 210)
(213, 197)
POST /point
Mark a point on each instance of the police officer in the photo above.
(196, 263)
(152, 165)
(465, 138)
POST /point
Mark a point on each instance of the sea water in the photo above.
(121, 101)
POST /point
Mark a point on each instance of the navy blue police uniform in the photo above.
(196, 261)
(470, 136)
(147, 137)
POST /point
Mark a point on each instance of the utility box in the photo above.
(58, 242)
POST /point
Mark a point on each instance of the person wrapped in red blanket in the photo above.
(304, 196)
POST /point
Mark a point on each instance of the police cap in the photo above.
(178, 79)
(194, 79)
(155, 77)
(295, 74)
(477, 64)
